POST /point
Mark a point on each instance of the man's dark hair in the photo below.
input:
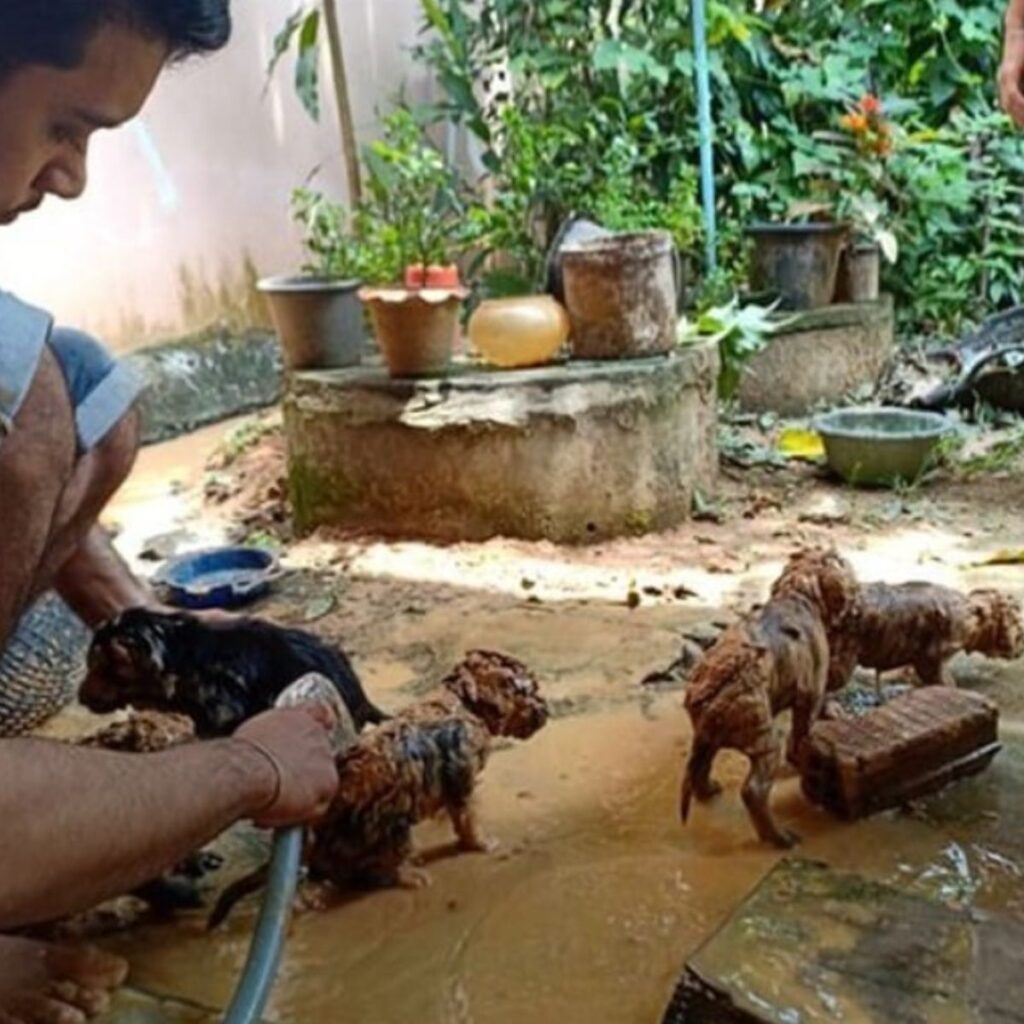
(56, 32)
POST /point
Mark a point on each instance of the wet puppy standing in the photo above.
(774, 661)
(923, 626)
(425, 762)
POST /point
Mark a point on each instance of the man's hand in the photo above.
(290, 750)
(1011, 74)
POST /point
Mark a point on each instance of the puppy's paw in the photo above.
(480, 844)
(414, 878)
(315, 897)
(784, 839)
(835, 712)
(708, 792)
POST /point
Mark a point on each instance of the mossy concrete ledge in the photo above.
(819, 358)
(205, 378)
(571, 453)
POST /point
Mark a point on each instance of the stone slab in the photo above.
(569, 453)
(195, 381)
(814, 944)
(820, 357)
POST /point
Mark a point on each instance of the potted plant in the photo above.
(410, 227)
(868, 140)
(860, 262)
(317, 314)
(797, 260)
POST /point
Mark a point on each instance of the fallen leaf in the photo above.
(800, 443)
(319, 607)
(1008, 556)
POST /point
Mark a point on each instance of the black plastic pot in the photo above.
(797, 262)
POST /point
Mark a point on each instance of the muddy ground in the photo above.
(597, 894)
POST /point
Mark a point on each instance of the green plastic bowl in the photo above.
(880, 447)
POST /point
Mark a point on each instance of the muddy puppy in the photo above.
(422, 763)
(778, 659)
(922, 626)
(219, 674)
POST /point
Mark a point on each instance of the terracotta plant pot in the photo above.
(319, 322)
(797, 262)
(860, 268)
(621, 295)
(434, 276)
(415, 329)
(526, 331)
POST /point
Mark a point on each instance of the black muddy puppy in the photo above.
(219, 674)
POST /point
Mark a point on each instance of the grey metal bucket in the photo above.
(319, 321)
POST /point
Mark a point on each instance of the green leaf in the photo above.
(307, 66)
(283, 39)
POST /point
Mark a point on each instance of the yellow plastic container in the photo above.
(527, 331)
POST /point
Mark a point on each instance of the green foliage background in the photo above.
(604, 121)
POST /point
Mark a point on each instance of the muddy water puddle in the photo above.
(596, 896)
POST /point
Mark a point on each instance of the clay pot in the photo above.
(797, 262)
(415, 330)
(524, 331)
(434, 276)
(621, 295)
(860, 268)
(319, 322)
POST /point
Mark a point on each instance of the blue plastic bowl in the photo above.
(218, 577)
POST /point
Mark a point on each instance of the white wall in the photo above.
(202, 179)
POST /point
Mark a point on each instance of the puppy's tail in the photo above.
(372, 715)
(237, 891)
(699, 765)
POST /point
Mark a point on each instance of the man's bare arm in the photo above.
(82, 825)
(96, 582)
(1011, 71)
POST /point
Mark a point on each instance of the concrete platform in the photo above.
(570, 453)
(823, 356)
(813, 944)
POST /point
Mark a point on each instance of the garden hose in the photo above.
(260, 972)
(250, 998)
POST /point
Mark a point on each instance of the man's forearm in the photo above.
(83, 825)
(1015, 15)
(96, 582)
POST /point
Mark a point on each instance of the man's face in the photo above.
(47, 115)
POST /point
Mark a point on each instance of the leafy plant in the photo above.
(331, 248)
(740, 331)
(414, 210)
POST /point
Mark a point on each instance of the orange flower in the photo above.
(870, 105)
(856, 123)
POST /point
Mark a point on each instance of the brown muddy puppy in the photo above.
(422, 763)
(922, 626)
(776, 660)
(143, 732)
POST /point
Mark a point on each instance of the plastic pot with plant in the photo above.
(317, 314)
(861, 261)
(863, 193)
(410, 227)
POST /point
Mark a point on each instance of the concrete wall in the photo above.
(180, 201)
